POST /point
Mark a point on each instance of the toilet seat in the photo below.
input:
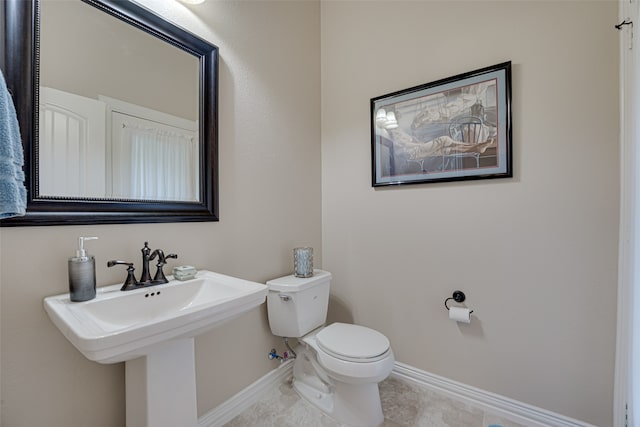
(353, 343)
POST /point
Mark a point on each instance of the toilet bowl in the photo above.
(338, 367)
(350, 391)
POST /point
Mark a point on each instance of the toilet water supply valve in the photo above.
(273, 355)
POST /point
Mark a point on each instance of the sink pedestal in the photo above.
(161, 386)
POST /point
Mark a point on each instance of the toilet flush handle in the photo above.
(284, 297)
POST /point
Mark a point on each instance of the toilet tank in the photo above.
(296, 306)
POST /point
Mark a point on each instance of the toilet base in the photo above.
(356, 405)
(321, 399)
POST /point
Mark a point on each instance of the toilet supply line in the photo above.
(293, 353)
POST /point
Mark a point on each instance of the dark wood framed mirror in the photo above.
(21, 65)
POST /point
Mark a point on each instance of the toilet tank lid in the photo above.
(292, 283)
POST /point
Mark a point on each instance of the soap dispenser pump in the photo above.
(82, 273)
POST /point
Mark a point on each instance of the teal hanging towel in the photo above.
(13, 194)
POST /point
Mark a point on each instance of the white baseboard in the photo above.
(242, 400)
(514, 410)
(519, 412)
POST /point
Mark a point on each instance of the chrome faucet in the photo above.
(145, 278)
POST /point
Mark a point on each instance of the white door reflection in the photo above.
(107, 148)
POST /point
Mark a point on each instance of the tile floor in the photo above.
(403, 404)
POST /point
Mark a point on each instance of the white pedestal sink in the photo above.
(152, 330)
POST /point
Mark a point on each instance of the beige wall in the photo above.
(536, 254)
(90, 53)
(269, 203)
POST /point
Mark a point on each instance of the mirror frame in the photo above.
(20, 66)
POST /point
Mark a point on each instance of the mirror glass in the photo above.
(118, 109)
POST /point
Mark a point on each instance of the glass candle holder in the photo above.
(303, 262)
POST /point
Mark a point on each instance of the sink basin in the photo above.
(119, 326)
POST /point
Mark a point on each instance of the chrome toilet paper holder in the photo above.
(458, 296)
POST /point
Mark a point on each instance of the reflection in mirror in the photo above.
(126, 140)
(118, 109)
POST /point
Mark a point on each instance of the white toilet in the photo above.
(338, 367)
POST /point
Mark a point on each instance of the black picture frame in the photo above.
(453, 129)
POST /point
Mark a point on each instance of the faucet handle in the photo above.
(117, 262)
(162, 260)
(130, 282)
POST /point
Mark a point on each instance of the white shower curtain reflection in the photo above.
(154, 164)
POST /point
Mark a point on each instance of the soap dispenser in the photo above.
(82, 273)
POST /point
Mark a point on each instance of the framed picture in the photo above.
(458, 128)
